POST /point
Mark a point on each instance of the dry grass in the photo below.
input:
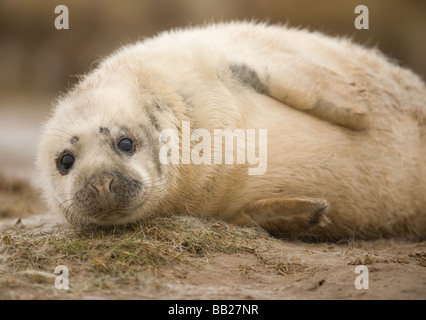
(105, 258)
(17, 199)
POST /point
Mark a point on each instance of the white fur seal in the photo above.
(346, 134)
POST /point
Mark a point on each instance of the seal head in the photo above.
(99, 156)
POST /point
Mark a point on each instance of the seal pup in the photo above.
(346, 134)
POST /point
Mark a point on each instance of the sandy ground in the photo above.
(268, 268)
(328, 273)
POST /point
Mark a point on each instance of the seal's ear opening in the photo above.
(286, 217)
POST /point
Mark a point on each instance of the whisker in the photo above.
(61, 130)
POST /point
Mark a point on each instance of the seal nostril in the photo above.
(95, 189)
(110, 185)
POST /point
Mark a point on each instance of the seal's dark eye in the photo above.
(126, 145)
(65, 162)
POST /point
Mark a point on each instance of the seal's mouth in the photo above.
(110, 216)
(107, 198)
(117, 216)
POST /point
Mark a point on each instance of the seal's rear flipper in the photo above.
(289, 216)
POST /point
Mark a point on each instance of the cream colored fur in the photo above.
(346, 130)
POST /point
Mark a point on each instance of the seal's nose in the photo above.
(101, 188)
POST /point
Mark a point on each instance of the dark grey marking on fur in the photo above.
(249, 77)
(103, 130)
(73, 140)
(161, 106)
(153, 119)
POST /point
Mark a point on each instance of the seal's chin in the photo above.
(106, 217)
(113, 217)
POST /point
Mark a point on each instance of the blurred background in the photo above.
(37, 61)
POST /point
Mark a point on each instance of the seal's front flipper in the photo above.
(307, 86)
(317, 90)
(289, 216)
